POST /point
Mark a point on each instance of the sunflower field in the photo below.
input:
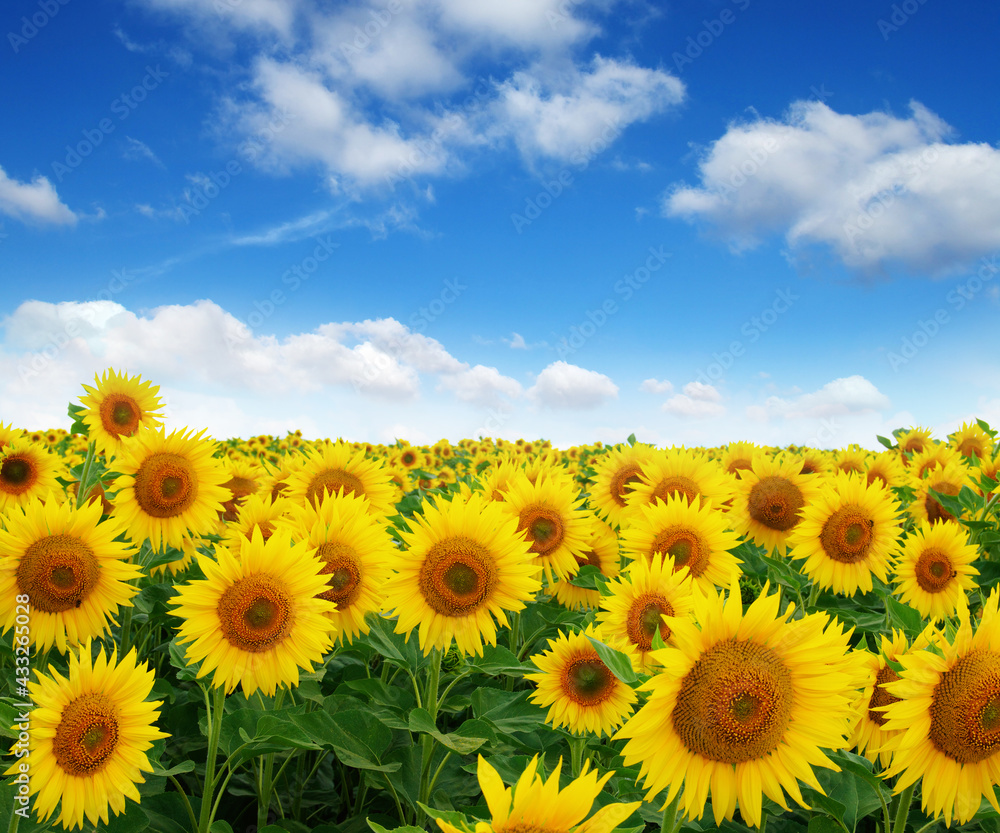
(279, 634)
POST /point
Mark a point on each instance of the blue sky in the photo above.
(697, 221)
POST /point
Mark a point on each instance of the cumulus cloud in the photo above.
(656, 386)
(841, 397)
(575, 115)
(878, 190)
(697, 400)
(481, 385)
(37, 201)
(564, 385)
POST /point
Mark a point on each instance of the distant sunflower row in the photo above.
(277, 550)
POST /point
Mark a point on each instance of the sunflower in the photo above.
(935, 456)
(745, 703)
(465, 564)
(947, 719)
(948, 480)
(603, 554)
(769, 499)
(886, 468)
(257, 618)
(245, 479)
(8, 433)
(814, 461)
(498, 477)
(89, 734)
(634, 610)
(972, 440)
(869, 733)
(355, 550)
(535, 804)
(912, 441)
(169, 484)
(934, 571)
(260, 512)
(679, 471)
(693, 535)
(848, 533)
(118, 407)
(27, 471)
(615, 475)
(552, 521)
(336, 466)
(737, 457)
(71, 568)
(852, 459)
(579, 690)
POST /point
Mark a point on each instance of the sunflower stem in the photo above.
(215, 709)
(266, 784)
(813, 596)
(763, 821)
(187, 803)
(903, 809)
(576, 750)
(669, 823)
(426, 741)
(84, 485)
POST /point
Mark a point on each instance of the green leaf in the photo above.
(784, 574)
(589, 577)
(823, 824)
(421, 721)
(618, 663)
(508, 711)
(951, 503)
(358, 737)
(406, 828)
(885, 441)
(221, 827)
(982, 423)
(903, 616)
(133, 820)
(392, 646)
(631, 439)
(498, 660)
(186, 766)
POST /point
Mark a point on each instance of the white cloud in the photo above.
(876, 189)
(574, 115)
(481, 385)
(656, 386)
(520, 22)
(564, 385)
(698, 400)
(140, 150)
(36, 201)
(265, 16)
(849, 395)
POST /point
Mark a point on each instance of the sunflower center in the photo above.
(644, 617)
(342, 565)
(881, 697)
(739, 464)
(847, 535)
(544, 528)
(775, 503)
(457, 577)
(965, 708)
(331, 481)
(17, 475)
(87, 735)
(933, 571)
(685, 546)
(677, 485)
(735, 703)
(165, 485)
(120, 415)
(588, 681)
(935, 511)
(255, 613)
(58, 572)
(622, 482)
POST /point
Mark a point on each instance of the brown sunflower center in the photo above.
(644, 617)
(971, 446)
(87, 734)
(17, 474)
(165, 485)
(344, 570)
(739, 464)
(775, 503)
(847, 535)
(458, 576)
(735, 703)
(589, 557)
(331, 481)
(686, 547)
(622, 482)
(935, 511)
(58, 572)
(120, 414)
(933, 570)
(965, 708)
(881, 697)
(588, 681)
(544, 528)
(255, 613)
(675, 485)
